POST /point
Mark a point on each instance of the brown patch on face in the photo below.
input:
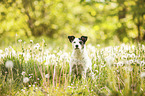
(81, 43)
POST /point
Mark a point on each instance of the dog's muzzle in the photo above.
(77, 47)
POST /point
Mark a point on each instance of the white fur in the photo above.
(80, 58)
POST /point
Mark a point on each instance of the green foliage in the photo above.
(118, 71)
(104, 21)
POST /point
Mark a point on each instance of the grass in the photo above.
(119, 70)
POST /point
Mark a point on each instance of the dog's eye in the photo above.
(80, 42)
(74, 42)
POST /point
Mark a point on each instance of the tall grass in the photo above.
(41, 70)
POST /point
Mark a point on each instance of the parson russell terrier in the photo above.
(80, 64)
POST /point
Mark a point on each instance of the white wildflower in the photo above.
(98, 45)
(24, 42)
(37, 46)
(142, 74)
(30, 77)
(131, 55)
(88, 0)
(128, 68)
(109, 59)
(124, 57)
(23, 73)
(9, 64)
(13, 52)
(133, 47)
(95, 65)
(69, 86)
(25, 80)
(33, 85)
(143, 62)
(97, 71)
(31, 41)
(131, 61)
(19, 40)
(6, 49)
(120, 63)
(43, 40)
(1, 51)
(55, 51)
(22, 90)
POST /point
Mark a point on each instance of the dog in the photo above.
(80, 64)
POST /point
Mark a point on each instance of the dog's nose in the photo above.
(77, 46)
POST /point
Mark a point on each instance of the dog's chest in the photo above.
(78, 61)
(78, 66)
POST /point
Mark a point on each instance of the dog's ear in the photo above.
(84, 38)
(71, 38)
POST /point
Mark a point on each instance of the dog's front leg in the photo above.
(70, 70)
(84, 74)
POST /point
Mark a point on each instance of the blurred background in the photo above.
(107, 22)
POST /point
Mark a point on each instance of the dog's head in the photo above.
(78, 43)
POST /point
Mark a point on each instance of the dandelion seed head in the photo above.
(120, 63)
(98, 45)
(46, 76)
(37, 46)
(31, 41)
(124, 57)
(19, 40)
(95, 65)
(23, 73)
(69, 86)
(128, 68)
(97, 71)
(23, 90)
(33, 85)
(30, 77)
(1, 51)
(6, 49)
(109, 59)
(25, 80)
(40, 49)
(24, 42)
(9, 64)
(142, 74)
(43, 40)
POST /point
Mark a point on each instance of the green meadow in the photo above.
(35, 50)
(37, 69)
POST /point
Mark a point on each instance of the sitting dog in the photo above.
(80, 64)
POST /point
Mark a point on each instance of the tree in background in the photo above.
(129, 12)
(102, 20)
